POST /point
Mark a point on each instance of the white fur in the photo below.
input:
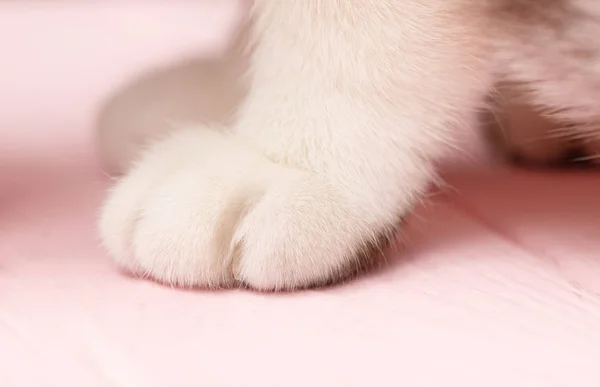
(332, 146)
(348, 104)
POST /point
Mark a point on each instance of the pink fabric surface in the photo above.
(499, 284)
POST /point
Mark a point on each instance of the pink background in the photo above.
(499, 284)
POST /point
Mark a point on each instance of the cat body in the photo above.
(328, 137)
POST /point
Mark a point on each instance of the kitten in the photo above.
(318, 152)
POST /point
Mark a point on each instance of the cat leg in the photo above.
(350, 102)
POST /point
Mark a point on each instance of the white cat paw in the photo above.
(201, 209)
